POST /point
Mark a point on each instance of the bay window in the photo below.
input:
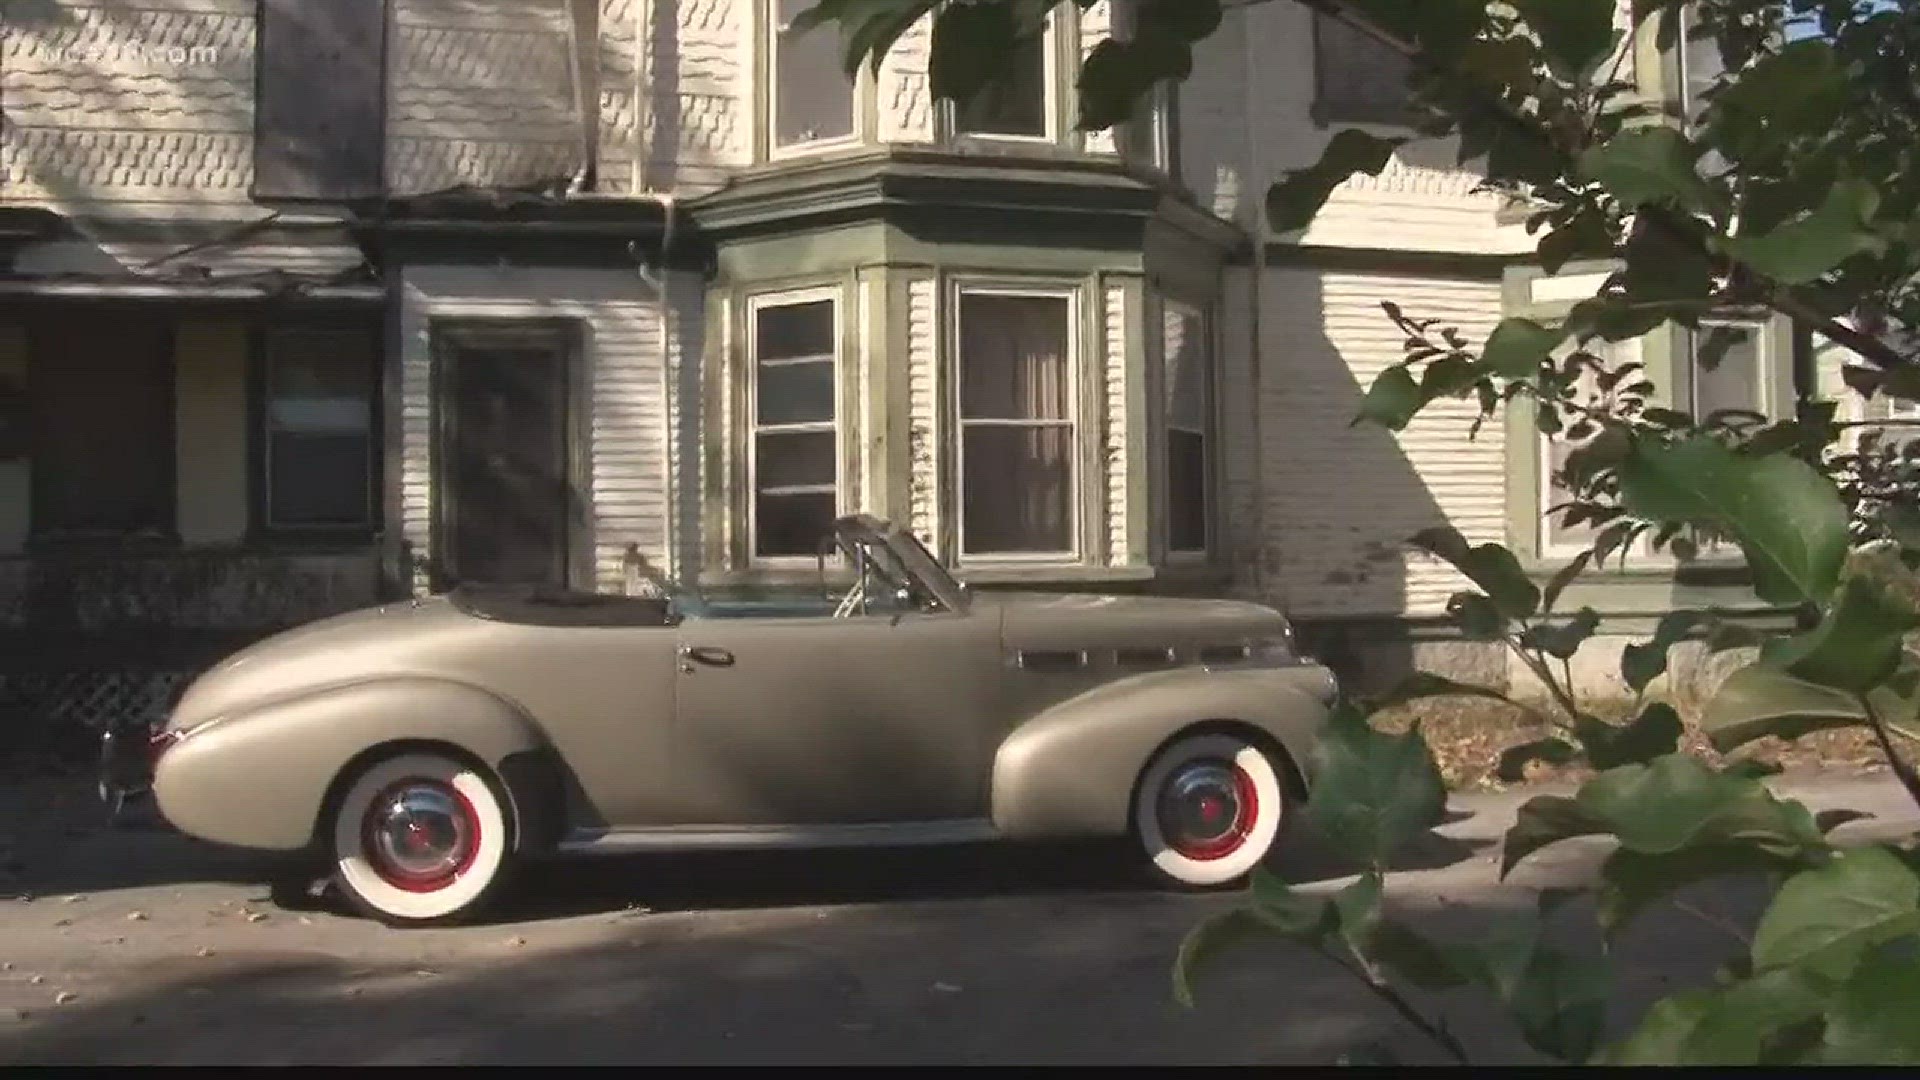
(1018, 424)
(1188, 407)
(1018, 103)
(793, 454)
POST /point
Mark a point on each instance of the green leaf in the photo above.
(1760, 700)
(1575, 33)
(1640, 664)
(1562, 578)
(1490, 566)
(1204, 944)
(1822, 921)
(1871, 1022)
(1857, 644)
(1676, 802)
(1557, 1000)
(1662, 1036)
(1288, 913)
(1649, 165)
(1373, 791)
(1786, 516)
(1561, 640)
(1512, 766)
(1807, 248)
(1584, 236)
(1517, 347)
(1476, 616)
(1392, 401)
(1294, 200)
(1656, 732)
(1424, 684)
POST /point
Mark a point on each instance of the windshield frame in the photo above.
(904, 550)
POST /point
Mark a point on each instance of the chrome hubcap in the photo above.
(1207, 808)
(420, 832)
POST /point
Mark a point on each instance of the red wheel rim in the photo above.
(420, 835)
(1207, 809)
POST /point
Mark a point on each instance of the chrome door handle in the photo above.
(704, 654)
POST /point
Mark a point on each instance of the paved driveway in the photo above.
(129, 946)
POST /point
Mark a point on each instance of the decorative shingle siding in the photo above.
(1096, 25)
(905, 95)
(1340, 501)
(139, 101)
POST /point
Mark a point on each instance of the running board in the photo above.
(777, 837)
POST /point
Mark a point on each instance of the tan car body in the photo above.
(967, 716)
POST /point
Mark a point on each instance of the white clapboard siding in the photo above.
(629, 412)
(1340, 501)
(923, 409)
(1113, 354)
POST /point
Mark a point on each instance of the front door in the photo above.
(505, 493)
(820, 721)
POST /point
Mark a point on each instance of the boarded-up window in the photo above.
(319, 127)
(1017, 424)
(100, 388)
(318, 417)
(1355, 76)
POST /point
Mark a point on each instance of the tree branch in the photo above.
(1905, 772)
(1436, 1032)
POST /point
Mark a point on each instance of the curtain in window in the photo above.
(1017, 420)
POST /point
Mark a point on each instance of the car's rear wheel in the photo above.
(420, 839)
(1208, 809)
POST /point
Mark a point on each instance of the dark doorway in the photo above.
(505, 490)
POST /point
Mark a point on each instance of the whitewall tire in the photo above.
(1208, 809)
(420, 838)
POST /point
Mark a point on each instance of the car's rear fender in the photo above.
(261, 778)
(1070, 771)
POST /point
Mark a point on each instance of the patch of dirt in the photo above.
(1468, 735)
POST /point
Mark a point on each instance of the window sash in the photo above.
(1186, 364)
(762, 547)
(1063, 301)
(979, 118)
(778, 16)
(324, 417)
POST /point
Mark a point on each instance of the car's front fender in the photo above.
(259, 778)
(1070, 770)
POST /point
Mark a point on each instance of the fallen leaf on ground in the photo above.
(75, 898)
(256, 916)
(946, 988)
(136, 916)
(65, 996)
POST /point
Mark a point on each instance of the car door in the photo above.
(825, 721)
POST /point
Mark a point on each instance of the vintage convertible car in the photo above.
(419, 751)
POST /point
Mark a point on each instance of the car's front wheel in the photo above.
(1208, 809)
(419, 839)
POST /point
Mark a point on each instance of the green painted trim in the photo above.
(1462, 264)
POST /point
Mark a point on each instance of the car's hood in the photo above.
(328, 651)
(1080, 620)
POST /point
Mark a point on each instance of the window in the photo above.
(812, 97)
(1017, 426)
(1356, 77)
(1738, 382)
(794, 461)
(1558, 537)
(1019, 102)
(100, 418)
(1189, 400)
(318, 417)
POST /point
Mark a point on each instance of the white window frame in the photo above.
(1209, 396)
(1050, 98)
(1076, 422)
(1543, 490)
(753, 429)
(769, 14)
(1764, 361)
